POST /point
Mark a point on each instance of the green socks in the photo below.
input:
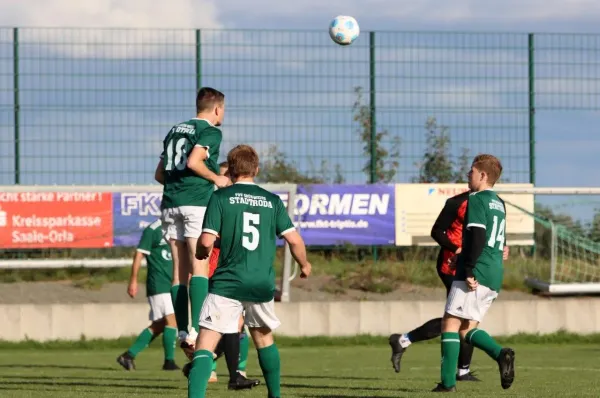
(198, 292)
(480, 339)
(244, 345)
(179, 296)
(268, 358)
(214, 365)
(450, 351)
(169, 338)
(141, 342)
(200, 373)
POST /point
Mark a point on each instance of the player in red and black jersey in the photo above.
(447, 232)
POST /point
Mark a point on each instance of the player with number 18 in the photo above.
(189, 170)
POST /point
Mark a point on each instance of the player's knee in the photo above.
(170, 320)
(262, 337)
(157, 327)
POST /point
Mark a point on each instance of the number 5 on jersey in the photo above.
(251, 235)
(497, 234)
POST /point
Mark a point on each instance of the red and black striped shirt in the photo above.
(448, 229)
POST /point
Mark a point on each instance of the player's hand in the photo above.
(305, 270)
(472, 283)
(505, 253)
(222, 181)
(458, 251)
(132, 289)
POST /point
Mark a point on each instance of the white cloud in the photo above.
(424, 10)
(166, 25)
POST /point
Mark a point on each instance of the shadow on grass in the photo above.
(338, 387)
(68, 377)
(51, 366)
(55, 383)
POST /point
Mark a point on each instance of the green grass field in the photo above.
(553, 370)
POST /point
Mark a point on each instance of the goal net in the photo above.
(565, 258)
(45, 227)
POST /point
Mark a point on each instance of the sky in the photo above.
(96, 103)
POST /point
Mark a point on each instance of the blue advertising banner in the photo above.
(132, 212)
(326, 215)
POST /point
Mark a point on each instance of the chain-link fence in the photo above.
(91, 106)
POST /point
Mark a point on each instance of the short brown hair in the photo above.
(208, 98)
(223, 164)
(243, 161)
(490, 165)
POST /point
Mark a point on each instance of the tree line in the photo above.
(436, 165)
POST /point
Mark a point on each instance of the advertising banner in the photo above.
(30, 220)
(418, 205)
(132, 212)
(325, 214)
(345, 214)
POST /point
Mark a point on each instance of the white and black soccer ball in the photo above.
(344, 30)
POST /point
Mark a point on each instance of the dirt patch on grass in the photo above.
(317, 288)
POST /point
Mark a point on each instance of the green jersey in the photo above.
(486, 210)
(248, 219)
(158, 259)
(182, 186)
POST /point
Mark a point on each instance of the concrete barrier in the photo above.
(70, 322)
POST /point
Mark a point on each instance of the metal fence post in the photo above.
(198, 59)
(531, 62)
(373, 117)
(553, 252)
(287, 256)
(17, 106)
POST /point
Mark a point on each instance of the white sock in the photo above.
(404, 341)
(462, 372)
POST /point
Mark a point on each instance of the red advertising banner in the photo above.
(55, 220)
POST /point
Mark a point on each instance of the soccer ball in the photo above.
(344, 30)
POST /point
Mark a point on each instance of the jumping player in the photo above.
(156, 250)
(187, 169)
(479, 276)
(248, 219)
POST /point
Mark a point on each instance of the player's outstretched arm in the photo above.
(298, 249)
(205, 245)
(159, 173)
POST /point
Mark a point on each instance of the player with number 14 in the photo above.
(479, 275)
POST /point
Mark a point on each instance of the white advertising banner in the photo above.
(418, 205)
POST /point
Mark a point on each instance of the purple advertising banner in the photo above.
(326, 215)
(132, 212)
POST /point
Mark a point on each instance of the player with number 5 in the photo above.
(189, 170)
(479, 275)
(248, 220)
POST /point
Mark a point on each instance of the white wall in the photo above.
(70, 322)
